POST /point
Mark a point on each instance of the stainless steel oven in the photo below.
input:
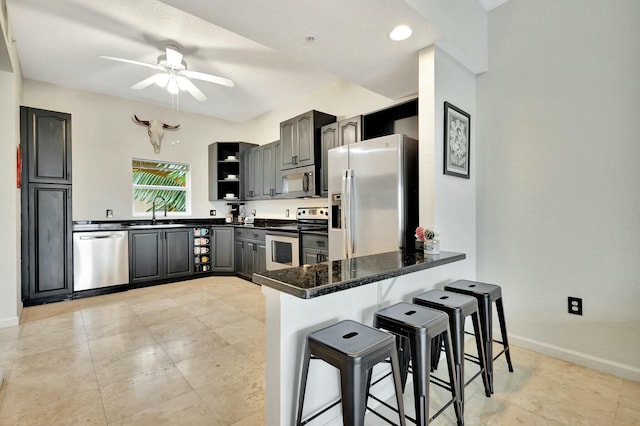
(283, 250)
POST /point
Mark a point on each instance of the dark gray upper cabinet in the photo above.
(350, 130)
(271, 170)
(253, 173)
(333, 135)
(328, 140)
(160, 254)
(49, 152)
(226, 175)
(268, 171)
(50, 246)
(300, 137)
(223, 250)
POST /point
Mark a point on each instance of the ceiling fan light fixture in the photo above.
(161, 79)
(172, 86)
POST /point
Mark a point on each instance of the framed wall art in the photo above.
(457, 141)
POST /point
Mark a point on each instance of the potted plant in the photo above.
(427, 238)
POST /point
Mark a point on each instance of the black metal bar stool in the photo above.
(458, 307)
(485, 294)
(417, 325)
(354, 349)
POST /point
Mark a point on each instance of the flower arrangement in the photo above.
(424, 234)
(426, 240)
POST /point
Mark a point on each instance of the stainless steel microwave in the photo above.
(300, 182)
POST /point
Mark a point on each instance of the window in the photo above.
(152, 179)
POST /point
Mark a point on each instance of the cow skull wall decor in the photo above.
(155, 128)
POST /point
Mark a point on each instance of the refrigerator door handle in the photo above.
(350, 215)
(345, 216)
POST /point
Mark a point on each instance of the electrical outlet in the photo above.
(212, 212)
(575, 305)
(109, 212)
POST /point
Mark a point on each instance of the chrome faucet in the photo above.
(153, 208)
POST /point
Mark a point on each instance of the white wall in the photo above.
(10, 89)
(447, 204)
(557, 174)
(105, 139)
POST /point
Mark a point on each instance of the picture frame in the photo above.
(457, 141)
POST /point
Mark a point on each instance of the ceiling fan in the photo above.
(173, 74)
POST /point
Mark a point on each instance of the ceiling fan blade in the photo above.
(161, 79)
(144, 83)
(185, 84)
(129, 61)
(174, 57)
(208, 77)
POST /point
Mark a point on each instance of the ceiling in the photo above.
(261, 45)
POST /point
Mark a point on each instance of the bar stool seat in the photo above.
(417, 325)
(486, 294)
(354, 349)
(458, 307)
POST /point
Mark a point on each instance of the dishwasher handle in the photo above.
(98, 237)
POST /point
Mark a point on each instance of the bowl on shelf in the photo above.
(231, 177)
(231, 158)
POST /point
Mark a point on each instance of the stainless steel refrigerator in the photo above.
(373, 191)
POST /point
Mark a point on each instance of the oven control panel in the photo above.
(317, 213)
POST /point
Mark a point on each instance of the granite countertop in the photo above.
(309, 281)
(123, 225)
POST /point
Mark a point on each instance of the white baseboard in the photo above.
(9, 322)
(603, 365)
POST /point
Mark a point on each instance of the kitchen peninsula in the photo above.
(306, 298)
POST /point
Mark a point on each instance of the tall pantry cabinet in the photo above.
(47, 268)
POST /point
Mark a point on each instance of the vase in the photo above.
(432, 247)
(419, 245)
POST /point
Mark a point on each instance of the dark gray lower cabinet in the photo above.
(223, 251)
(314, 249)
(250, 252)
(160, 254)
(50, 243)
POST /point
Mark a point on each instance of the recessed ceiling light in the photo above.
(401, 32)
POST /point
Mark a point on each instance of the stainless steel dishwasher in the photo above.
(100, 259)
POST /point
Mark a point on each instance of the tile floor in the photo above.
(192, 353)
